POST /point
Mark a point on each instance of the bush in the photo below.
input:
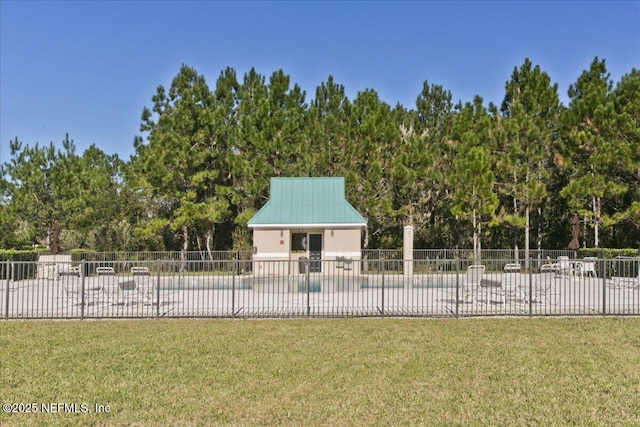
(27, 271)
(19, 255)
(78, 255)
(607, 253)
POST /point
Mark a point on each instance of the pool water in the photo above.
(298, 283)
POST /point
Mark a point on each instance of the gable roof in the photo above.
(307, 202)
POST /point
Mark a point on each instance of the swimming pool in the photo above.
(316, 283)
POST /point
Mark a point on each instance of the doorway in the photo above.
(315, 253)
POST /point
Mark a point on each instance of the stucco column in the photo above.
(407, 254)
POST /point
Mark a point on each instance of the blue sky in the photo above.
(89, 68)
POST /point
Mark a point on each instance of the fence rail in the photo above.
(376, 254)
(457, 287)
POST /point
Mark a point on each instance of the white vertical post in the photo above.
(407, 254)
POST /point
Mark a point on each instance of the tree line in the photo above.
(463, 174)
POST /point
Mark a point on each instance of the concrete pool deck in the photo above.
(286, 296)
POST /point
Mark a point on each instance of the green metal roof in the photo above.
(307, 202)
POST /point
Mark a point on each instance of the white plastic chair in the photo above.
(128, 292)
(543, 285)
(148, 291)
(511, 283)
(473, 281)
(72, 290)
(144, 286)
(589, 266)
(564, 265)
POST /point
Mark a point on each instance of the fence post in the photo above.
(158, 287)
(307, 264)
(233, 287)
(604, 288)
(457, 283)
(531, 291)
(383, 291)
(6, 300)
(82, 290)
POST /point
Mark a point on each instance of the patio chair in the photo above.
(72, 290)
(511, 283)
(67, 270)
(589, 267)
(146, 288)
(472, 282)
(543, 284)
(127, 292)
(564, 266)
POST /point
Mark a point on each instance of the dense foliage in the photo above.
(463, 174)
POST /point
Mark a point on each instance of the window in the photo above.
(299, 242)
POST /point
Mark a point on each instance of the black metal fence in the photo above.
(428, 259)
(125, 258)
(449, 287)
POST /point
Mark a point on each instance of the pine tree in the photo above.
(525, 132)
(626, 136)
(422, 160)
(326, 130)
(184, 162)
(473, 196)
(591, 147)
(368, 157)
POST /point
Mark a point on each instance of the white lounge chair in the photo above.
(105, 271)
(626, 282)
(472, 282)
(626, 279)
(140, 271)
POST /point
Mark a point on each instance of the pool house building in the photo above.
(305, 221)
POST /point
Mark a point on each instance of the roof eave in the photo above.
(310, 225)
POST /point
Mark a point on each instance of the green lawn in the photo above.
(540, 371)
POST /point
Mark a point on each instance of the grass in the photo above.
(541, 371)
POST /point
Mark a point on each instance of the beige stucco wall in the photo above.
(342, 242)
(275, 245)
(272, 246)
(272, 243)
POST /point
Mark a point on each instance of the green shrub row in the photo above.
(19, 255)
(608, 253)
(24, 271)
